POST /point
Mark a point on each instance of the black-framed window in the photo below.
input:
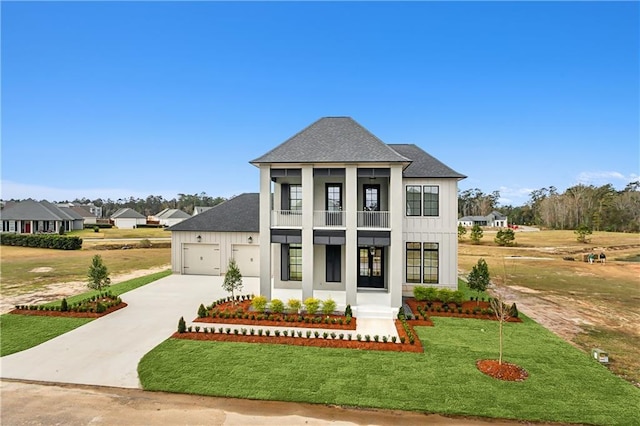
(334, 263)
(334, 197)
(430, 263)
(413, 262)
(430, 199)
(414, 201)
(295, 262)
(295, 197)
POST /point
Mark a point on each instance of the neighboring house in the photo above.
(127, 218)
(203, 244)
(355, 219)
(494, 219)
(200, 209)
(33, 217)
(170, 217)
(84, 211)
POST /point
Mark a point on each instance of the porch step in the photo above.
(374, 311)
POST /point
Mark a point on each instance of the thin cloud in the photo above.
(604, 177)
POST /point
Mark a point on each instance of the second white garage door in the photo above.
(248, 260)
(201, 259)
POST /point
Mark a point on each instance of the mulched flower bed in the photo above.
(68, 314)
(277, 320)
(303, 341)
(505, 371)
(467, 306)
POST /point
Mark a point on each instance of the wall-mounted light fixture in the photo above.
(250, 239)
(372, 250)
(199, 238)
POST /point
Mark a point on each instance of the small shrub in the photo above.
(325, 335)
(393, 339)
(328, 306)
(285, 333)
(277, 333)
(189, 329)
(358, 337)
(300, 334)
(402, 339)
(202, 311)
(267, 333)
(311, 305)
(260, 332)
(235, 331)
(277, 306)
(197, 328)
(445, 295)
(513, 310)
(333, 335)
(227, 330)
(385, 339)
(341, 336)
(308, 334)
(64, 307)
(252, 332)
(376, 338)
(347, 311)
(316, 334)
(293, 306)
(259, 303)
(100, 308)
(182, 327)
(367, 337)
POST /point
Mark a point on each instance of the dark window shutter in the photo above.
(284, 196)
(284, 262)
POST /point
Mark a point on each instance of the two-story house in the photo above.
(344, 215)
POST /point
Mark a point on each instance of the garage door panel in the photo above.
(201, 259)
(248, 260)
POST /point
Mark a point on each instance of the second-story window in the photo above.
(295, 197)
(414, 201)
(430, 199)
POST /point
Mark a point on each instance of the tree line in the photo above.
(599, 208)
(150, 205)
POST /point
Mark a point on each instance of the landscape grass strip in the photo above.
(564, 384)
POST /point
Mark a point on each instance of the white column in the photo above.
(351, 234)
(396, 248)
(307, 231)
(265, 231)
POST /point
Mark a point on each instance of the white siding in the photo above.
(225, 241)
(442, 229)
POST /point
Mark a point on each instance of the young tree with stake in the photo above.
(232, 279)
(98, 276)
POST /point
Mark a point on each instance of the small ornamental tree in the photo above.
(98, 276)
(505, 237)
(582, 231)
(476, 234)
(478, 279)
(462, 231)
(232, 279)
(502, 313)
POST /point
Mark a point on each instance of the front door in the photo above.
(371, 267)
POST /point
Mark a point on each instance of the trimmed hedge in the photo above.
(52, 241)
(99, 225)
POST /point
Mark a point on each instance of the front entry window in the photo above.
(371, 267)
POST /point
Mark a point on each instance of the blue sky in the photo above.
(127, 99)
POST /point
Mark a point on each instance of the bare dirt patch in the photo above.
(57, 291)
(41, 270)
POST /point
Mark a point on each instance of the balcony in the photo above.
(286, 218)
(373, 219)
(329, 219)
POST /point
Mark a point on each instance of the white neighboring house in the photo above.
(204, 243)
(170, 217)
(494, 219)
(127, 218)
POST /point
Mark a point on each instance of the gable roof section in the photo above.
(29, 210)
(332, 140)
(126, 213)
(239, 214)
(82, 211)
(173, 214)
(422, 164)
(200, 209)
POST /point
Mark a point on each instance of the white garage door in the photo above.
(200, 259)
(248, 260)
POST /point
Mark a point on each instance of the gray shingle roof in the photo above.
(239, 214)
(29, 210)
(332, 139)
(422, 164)
(126, 213)
(172, 214)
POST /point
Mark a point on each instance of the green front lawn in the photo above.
(565, 385)
(20, 332)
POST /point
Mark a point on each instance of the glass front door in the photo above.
(371, 267)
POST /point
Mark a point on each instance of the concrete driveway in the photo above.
(107, 350)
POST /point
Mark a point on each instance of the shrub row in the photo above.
(444, 295)
(407, 328)
(97, 225)
(182, 328)
(240, 314)
(84, 305)
(51, 241)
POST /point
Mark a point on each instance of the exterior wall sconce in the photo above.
(250, 239)
(372, 250)
(199, 238)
